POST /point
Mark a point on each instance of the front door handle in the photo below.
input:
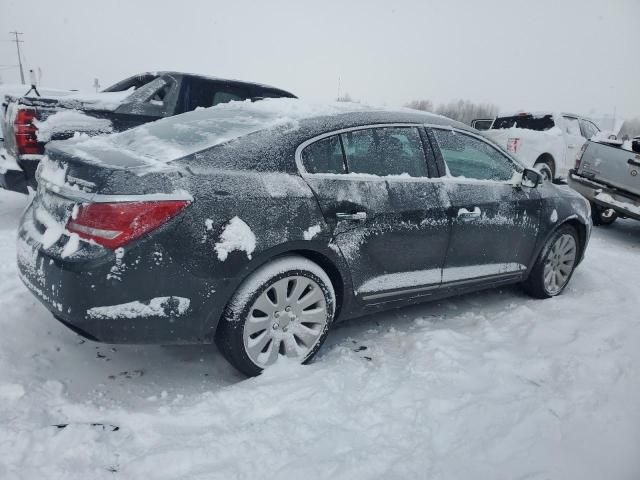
(634, 162)
(357, 216)
(464, 213)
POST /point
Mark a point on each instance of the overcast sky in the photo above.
(571, 55)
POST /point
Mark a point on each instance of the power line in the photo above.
(18, 42)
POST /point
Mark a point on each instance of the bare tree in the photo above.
(346, 98)
(424, 105)
(462, 110)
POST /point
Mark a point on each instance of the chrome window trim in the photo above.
(377, 178)
(306, 143)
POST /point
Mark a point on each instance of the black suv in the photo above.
(258, 224)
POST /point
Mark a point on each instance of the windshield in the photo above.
(527, 121)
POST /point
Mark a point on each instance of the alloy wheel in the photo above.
(287, 318)
(559, 263)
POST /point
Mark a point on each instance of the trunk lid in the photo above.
(71, 178)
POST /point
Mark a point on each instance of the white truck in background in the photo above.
(548, 142)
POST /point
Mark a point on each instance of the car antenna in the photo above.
(32, 78)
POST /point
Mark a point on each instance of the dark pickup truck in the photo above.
(29, 123)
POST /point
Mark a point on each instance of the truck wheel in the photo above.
(602, 216)
(555, 264)
(284, 308)
(545, 170)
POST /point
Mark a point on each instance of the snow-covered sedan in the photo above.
(256, 225)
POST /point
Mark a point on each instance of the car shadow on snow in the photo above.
(150, 372)
(625, 231)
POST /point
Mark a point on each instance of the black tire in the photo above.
(535, 283)
(545, 169)
(602, 216)
(230, 335)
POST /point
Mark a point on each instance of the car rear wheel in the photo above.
(555, 264)
(284, 309)
(602, 216)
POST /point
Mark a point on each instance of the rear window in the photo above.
(528, 122)
(181, 135)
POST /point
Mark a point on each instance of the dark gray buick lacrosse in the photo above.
(258, 225)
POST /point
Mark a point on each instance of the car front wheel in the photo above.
(555, 264)
(284, 309)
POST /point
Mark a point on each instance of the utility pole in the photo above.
(18, 42)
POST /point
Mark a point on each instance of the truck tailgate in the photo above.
(612, 165)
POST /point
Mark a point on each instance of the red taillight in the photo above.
(579, 157)
(25, 131)
(513, 144)
(113, 225)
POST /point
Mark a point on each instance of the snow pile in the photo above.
(311, 232)
(488, 386)
(158, 307)
(237, 235)
(70, 121)
(98, 100)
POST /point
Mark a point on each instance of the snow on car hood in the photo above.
(175, 137)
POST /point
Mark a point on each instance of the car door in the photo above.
(388, 220)
(494, 224)
(574, 141)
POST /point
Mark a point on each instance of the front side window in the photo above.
(470, 157)
(324, 156)
(385, 151)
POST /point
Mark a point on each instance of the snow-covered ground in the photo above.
(488, 386)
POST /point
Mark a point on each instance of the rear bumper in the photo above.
(624, 204)
(144, 297)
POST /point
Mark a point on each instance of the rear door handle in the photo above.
(464, 213)
(358, 216)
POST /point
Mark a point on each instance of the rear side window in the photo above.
(385, 151)
(529, 122)
(469, 157)
(324, 156)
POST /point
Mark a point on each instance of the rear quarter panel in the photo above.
(278, 214)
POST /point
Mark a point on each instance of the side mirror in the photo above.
(531, 178)
(635, 146)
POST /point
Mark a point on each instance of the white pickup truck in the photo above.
(548, 142)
